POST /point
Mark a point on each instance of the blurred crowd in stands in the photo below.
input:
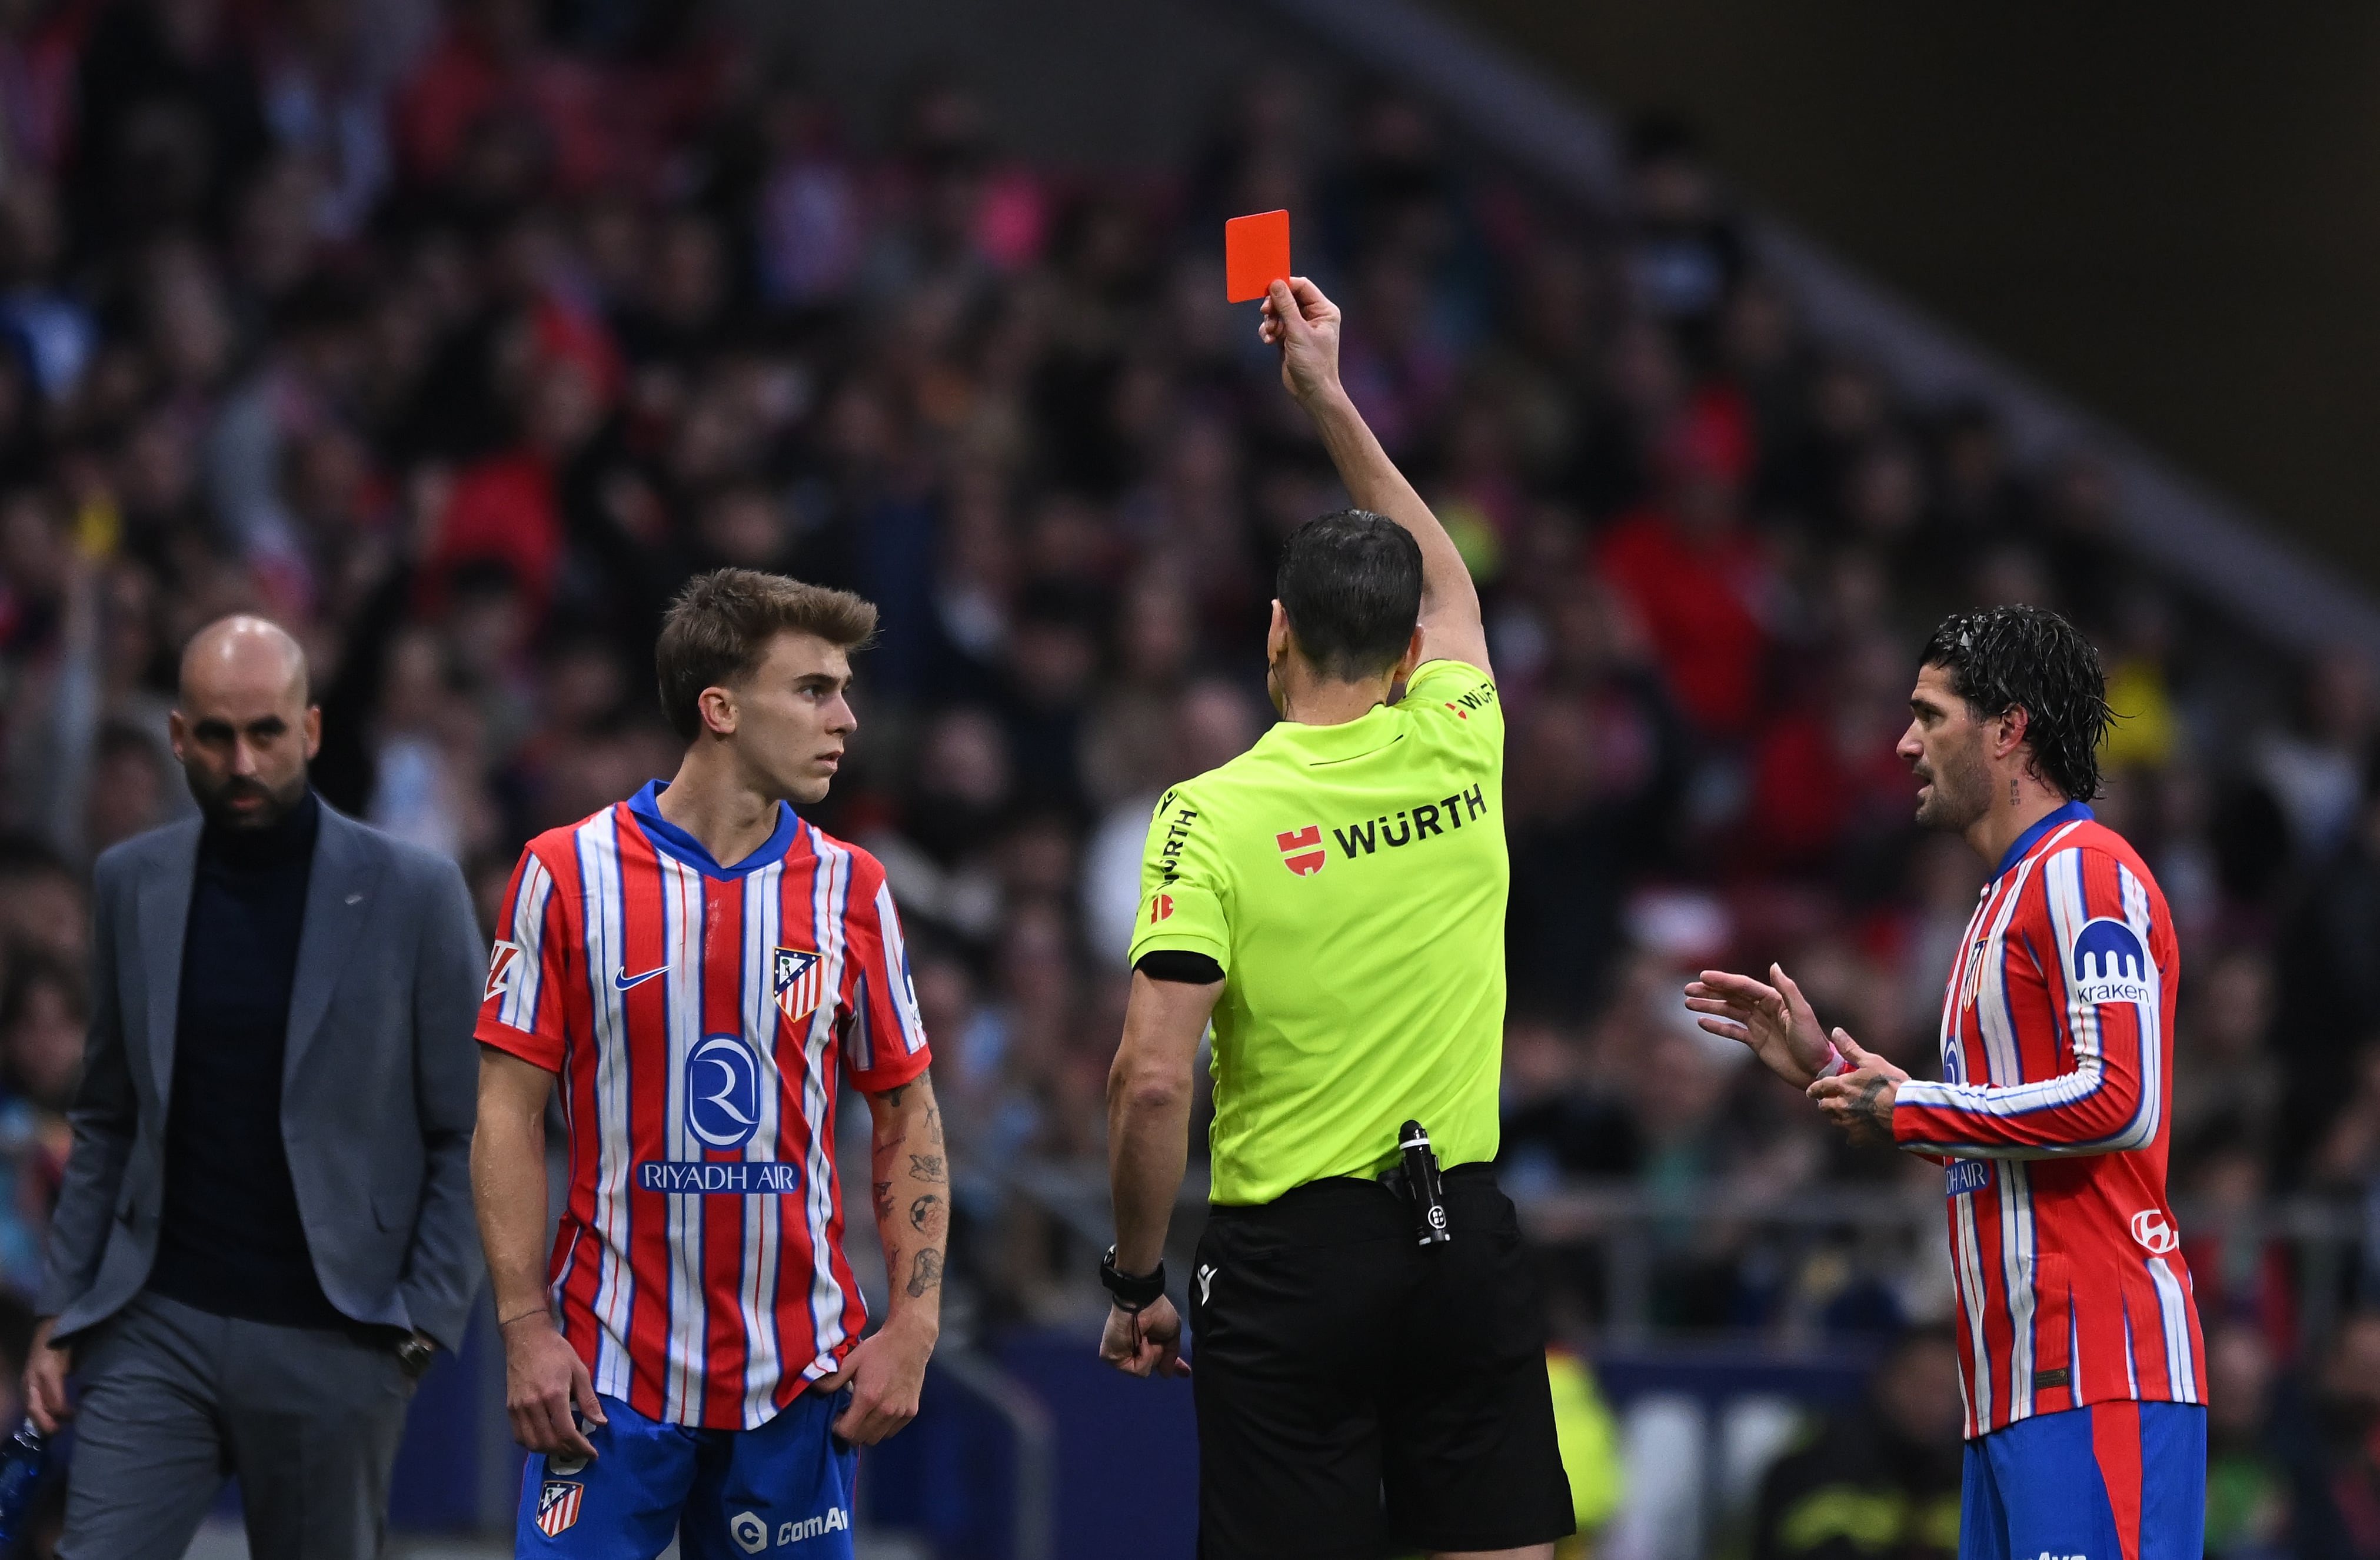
(456, 339)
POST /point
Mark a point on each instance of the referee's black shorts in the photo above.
(1359, 1397)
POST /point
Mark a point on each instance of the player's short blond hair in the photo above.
(720, 626)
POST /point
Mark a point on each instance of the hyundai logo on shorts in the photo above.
(723, 1091)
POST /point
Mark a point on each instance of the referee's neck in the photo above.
(1305, 699)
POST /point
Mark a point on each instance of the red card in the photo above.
(1256, 254)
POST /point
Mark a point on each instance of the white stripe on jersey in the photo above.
(2003, 1064)
(897, 972)
(2173, 1311)
(683, 911)
(2131, 1355)
(526, 985)
(762, 1225)
(598, 846)
(2015, 1184)
(1971, 1293)
(829, 897)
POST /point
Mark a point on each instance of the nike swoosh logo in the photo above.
(625, 980)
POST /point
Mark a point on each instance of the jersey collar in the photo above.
(1367, 733)
(2072, 812)
(673, 841)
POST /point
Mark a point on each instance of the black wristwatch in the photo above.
(1132, 1293)
(415, 1356)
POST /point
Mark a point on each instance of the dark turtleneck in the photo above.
(230, 1241)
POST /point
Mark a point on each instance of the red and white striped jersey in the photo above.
(700, 1018)
(2057, 1062)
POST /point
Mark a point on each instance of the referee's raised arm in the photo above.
(1305, 325)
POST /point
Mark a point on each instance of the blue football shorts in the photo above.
(2117, 1481)
(783, 1490)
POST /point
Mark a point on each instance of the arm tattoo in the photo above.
(883, 1201)
(927, 1275)
(926, 1210)
(1871, 1109)
(927, 1168)
(892, 1096)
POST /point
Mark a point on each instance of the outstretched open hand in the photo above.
(1775, 1021)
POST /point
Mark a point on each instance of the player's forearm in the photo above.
(1149, 1147)
(912, 1183)
(2072, 1115)
(1374, 483)
(508, 1193)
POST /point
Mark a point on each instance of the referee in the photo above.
(1333, 901)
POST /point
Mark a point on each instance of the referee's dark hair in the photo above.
(1350, 582)
(2029, 657)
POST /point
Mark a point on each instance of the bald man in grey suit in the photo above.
(265, 1230)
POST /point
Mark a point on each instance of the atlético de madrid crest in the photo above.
(800, 972)
(557, 1505)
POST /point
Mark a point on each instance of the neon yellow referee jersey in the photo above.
(1351, 881)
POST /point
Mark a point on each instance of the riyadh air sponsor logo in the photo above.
(2110, 963)
(502, 962)
(1411, 825)
(723, 1091)
(1301, 849)
(801, 976)
(2155, 1232)
(1968, 1175)
(557, 1505)
(719, 1178)
(750, 1529)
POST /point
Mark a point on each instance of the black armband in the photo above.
(1180, 965)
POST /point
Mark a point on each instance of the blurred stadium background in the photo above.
(456, 337)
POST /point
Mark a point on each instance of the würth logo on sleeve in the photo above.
(798, 978)
(501, 964)
(1302, 850)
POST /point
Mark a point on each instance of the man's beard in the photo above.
(1961, 793)
(216, 804)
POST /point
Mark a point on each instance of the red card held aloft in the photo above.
(1255, 253)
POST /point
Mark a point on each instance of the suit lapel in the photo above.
(339, 892)
(164, 926)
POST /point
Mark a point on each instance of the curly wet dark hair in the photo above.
(2029, 657)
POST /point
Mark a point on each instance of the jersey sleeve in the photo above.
(1464, 698)
(2102, 938)
(522, 1009)
(883, 1038)
(1183, 885)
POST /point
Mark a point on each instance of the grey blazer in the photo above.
(378, 1091)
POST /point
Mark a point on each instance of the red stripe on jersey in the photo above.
(2115, 1442)
(2051, 1117)
(699, 1267)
